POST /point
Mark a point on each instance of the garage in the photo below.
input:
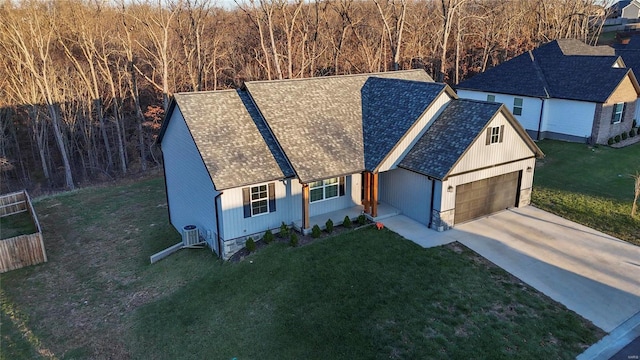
(484, 197)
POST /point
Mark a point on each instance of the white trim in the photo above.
(614, 113)
(495, 135)
(324, 187)
(266, 198)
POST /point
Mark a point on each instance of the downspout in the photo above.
(540, 120)
(433, 191)
(215, 203)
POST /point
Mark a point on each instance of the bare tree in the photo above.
(636, 193)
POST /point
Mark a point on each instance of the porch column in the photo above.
(374, 194)
(305, 206)
(367, 192)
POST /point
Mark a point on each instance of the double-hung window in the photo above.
(491, 98)
(618, 113)
(517, 106)
(495, 134)
(259, 199)
(324, 189)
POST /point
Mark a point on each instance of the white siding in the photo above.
(288, 207)
(190, 191)
(236, 225)
(631, 11)
(531, 106)
(407, 191)
(569, 117)
(481, 155)
(448, 199)
(403, 147)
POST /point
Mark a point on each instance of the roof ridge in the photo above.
(334, 76)
(203, 92)
(540, 73)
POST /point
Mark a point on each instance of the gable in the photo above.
(480, 155)
(626, 91)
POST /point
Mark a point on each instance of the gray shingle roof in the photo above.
(438, 150)
(390, 107)
(561, 69)
(231, 145)
(318, 121)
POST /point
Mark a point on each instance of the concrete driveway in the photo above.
(591, 273)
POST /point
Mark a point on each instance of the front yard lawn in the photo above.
(365, 294)
(591, 186)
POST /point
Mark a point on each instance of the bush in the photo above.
(632, 132)
(610, 141)
(346, 222)
(250, 244)
(624, 135)
(362, 219)
(293, 240)
(616, 139)
(284, 231)
(267, 237)
(329, 225)
(315, 231)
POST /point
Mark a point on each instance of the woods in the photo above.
(85, 84)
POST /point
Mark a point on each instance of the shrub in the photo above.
(329, 225)
(346, 222)
(624, 135)
(284, 231)
(616, 139)
(610, 141)
(315, 231)
(250, 244)
(632, 132)
(267, 237)
(293, 239)
(362, 219)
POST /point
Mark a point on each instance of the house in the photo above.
(564, 90)
(625, 9)
(629, 51)
(239, 162)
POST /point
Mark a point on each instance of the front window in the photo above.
(618, 110)
(517, 106)
(323, 189)
(259, 200)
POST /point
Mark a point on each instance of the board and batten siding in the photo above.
(569, 117)
(415, 133)
(408, 192)
(480, 155)
(531, 106)
(190, 192)
(352, 192)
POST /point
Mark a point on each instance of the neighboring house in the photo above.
(239, 162)
(627, 9)
(630, 53)
(563, 90)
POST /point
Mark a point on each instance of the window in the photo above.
(326, 189)
(495, 134)
(618, 113)
(517, 106)
(258, 200)
(491, 98)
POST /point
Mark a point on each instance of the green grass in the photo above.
(15, 225)
(365, 294)
(592, 186)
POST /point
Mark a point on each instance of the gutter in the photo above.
(433, 190)
(540, 120)
(215, 203)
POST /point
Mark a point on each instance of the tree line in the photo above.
(85, 83)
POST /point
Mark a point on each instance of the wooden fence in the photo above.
(22, 250)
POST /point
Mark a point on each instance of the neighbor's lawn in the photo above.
(361, 295)
(591, 186)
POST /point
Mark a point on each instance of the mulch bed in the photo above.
(302, 240)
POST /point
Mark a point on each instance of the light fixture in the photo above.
(529, 169)
(450, 188)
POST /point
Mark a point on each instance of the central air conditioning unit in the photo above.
(190, 236)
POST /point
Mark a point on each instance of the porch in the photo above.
(384, 211)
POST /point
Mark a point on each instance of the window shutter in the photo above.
(501, 132)
(488, 135)
(341, 186)
(272, 197)
(246, 202)
(624, 109)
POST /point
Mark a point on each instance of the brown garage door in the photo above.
(484, 197)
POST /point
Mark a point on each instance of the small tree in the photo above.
(636, 193)
(250, 244)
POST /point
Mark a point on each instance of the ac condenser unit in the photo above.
(190, 235)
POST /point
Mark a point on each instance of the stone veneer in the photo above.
(442, 218)
(525, 197)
